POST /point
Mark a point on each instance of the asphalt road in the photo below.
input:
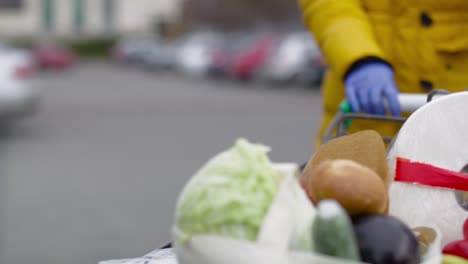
(95, 175)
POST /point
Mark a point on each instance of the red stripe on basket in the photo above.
(428, 175)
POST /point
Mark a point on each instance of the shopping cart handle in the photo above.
(409, 103)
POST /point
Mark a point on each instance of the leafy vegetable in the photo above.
(230, 195)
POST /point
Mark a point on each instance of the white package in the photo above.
(435, 134)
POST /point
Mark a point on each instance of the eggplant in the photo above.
(385, 240)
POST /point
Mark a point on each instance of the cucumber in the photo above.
(332, 232)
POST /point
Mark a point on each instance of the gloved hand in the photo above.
(369, 85)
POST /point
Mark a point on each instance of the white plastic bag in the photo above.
(289, 217)
(159, 256)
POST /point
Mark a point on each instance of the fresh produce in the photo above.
(457, 248)
(461, 196)
(230, 195)
(365, 147)
(333, 233)
(425, 236)
(465, 229)
(449, 259)
(357, 188)
(385, 240)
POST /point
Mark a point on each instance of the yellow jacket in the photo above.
(426, 42)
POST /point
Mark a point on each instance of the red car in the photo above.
(249, 61)
(53, 57)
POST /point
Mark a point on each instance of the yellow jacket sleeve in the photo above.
(342, 30)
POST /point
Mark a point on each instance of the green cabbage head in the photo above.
(230, 195)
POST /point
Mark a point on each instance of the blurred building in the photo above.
(84, 17)
(238, 14)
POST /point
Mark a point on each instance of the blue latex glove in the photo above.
(369, 85)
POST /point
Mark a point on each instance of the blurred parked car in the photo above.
(53, 56)
(296, 59)
(195, 53)
(162, 56)
(314, 73)
(134, 48)
(223, 57)
(18, 97)
(249, 61)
